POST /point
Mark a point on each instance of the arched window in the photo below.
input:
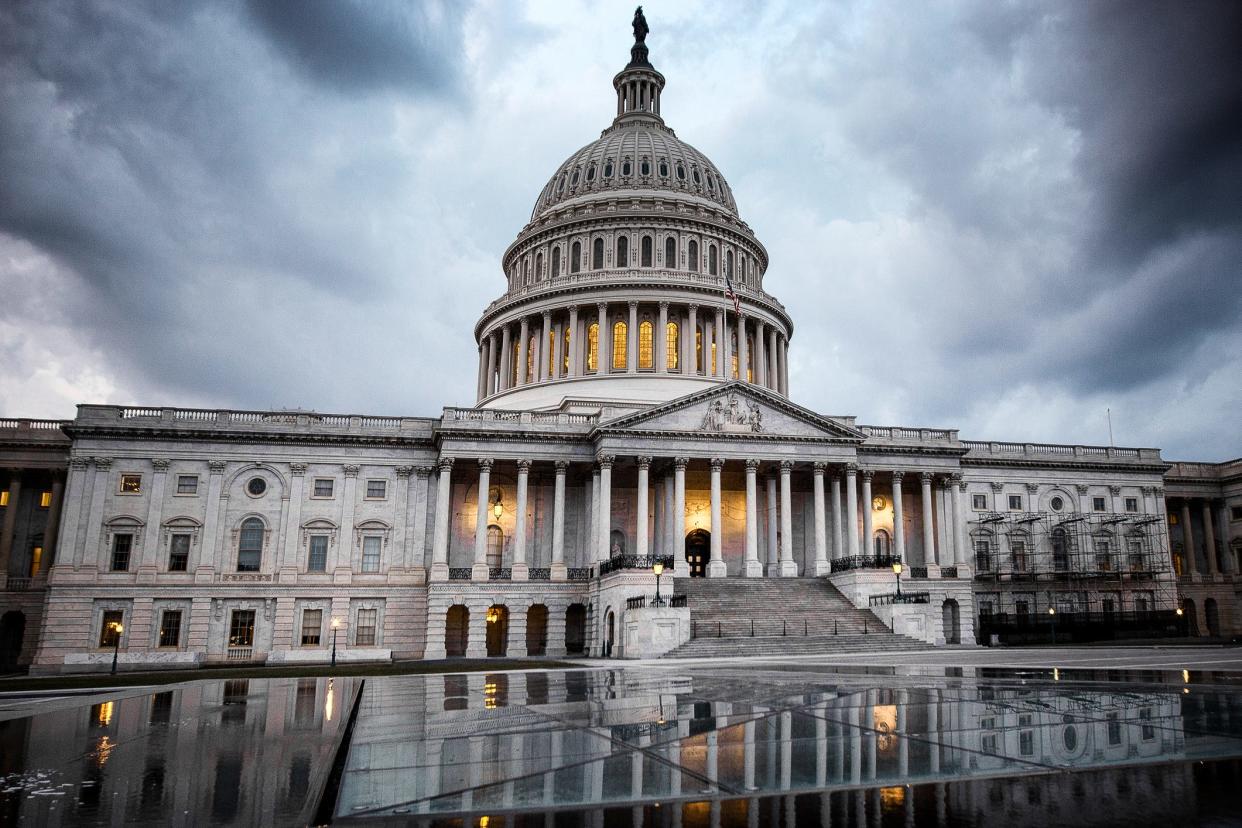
(551, 353)
(712, 265)
(692, 256)
(250, 545)
(495, 546)
(592, 356)
(556, 261)
(733, 350)
(644, 167)
(625, 167)
(698, 350)
(530, 358)
(681, 172)
(750, 359)
(565, 351)
(1060, 550)
(591, 172)
(608, 169)
(513, 362)
(646, 251)
(729, 263)
(619, 344)
(881, 543)
(663, 168)
(673, 346)
(575, 258)
(670, 253)
(623, 251)
(526, 272)
(646, 346)
(597, 255)
(539, 267)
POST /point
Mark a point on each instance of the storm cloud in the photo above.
(1001, 217)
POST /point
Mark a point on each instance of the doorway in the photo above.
(497, 630)
(456, 631)
(698, 552)
(952, 620)
(12, 632)
(610, 627)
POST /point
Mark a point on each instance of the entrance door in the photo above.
(698, 552)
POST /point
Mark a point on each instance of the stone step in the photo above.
(795, 645)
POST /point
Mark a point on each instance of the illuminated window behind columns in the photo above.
(36, 560)
(750, 359)
(646, 346)
(551, 353)
(565, 357)
(733, 339)
(712, 368)
(45, 499)
(593, 347)
(4, 498)
(530, 358)
(673, 346)
(513, 363)
(698, 350)
(619, 345)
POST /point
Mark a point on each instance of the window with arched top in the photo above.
(733, 369)
(513, 362)
(729, 263)
(647, 254)
(530, 358)
(556, 261)
(539, 267)
(698, 350)
(881, 543)
(608, 170)
(575, 257)
(750, 358)
(592, 354)
(597, 255)
(623, 251)
(551, 348)
(526, 271)
(670, 253)
(692, 256)
(1060, 550)
(495, 546)
(646, 344)
(565, 353)
(672, 346)
(591, 172)
(619, 344)
(681, 172)
(712, 265)
(250, 545)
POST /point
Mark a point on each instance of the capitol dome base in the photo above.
(626, 390)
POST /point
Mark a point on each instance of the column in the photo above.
(838, 530)
(851, 509)
(520, 571)
(488, 386)
(10, 520)
(480, 569)
(1222, 523)
(604, 361)
(774, 554)
(559, 571)
(689, 336)
(948, 553)
(753, 568)
(52, 533)
(211, 520)
(401, 523)
(148, 563)
(640, 509)
(789, 569)
(593, 517)
(631, 340)
(541, 366)
(761, 368)
(440, 529)
(962, 555)
(721, 337)
(785, 366)
(604, 511)
(506, 359)
(679, 516)
(661, 340)
(1209, 539)
(480, 391)
(1189, 558)
(341, 556)
(716, 566)
(899, 528)
(670, 547)
(868, 532)
(575, 349)
(523, 345)
(773, 362)
(78, 490)
(929, 534)
(743, 355)
(821, 534)
(416, 543)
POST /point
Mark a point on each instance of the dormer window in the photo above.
(663, 169)
(711, 182)
(625, 167)
(697, 178)
(573, 181)
(681, 173)
(608, 170)
(560, 186)
(591, 173)
(644, 168)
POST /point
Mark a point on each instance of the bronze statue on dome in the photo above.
(640, 26)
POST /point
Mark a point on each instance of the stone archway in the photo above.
(575, 628)
(12, 635)
(537, 630)
(698, 552)
(497, 630)
(952, 618)
(610, 628)
(456, 631)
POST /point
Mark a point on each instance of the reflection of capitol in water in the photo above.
(260, 752)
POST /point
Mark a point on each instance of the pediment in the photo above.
(737, 410)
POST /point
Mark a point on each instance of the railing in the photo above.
(773, 628)
(918, 572)
(865, 562)
(578, 573)
(622, 562)
(541, 573)
(16, 584)
(938, 435)
(500, 573)
(231, 417)
(903, 598)
(488, 415)
(640, 601)
(1060, 450)
(459, 573)
(22, 423)
(239, 653)
(948, 572)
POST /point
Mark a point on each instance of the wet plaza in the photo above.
(729, 743)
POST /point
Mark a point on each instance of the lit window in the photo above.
(1131, 504)
(623, 251)
(495, 546)
(619, 345)
(1098, 504)
(364, 629)
(187, 484)
(250, 545)
(593, 347)
(377, 489)
(530, 358)
(647, 252)
(178, 553)
(750, 359)
(108, 634)
(1015, 503)
(317, 560)
(673, 346)
(170, 628)
(36, 560)
(45, 500)
(551, 353)
(241, 628)
(646, 355)
(979, 502)
(565, 349)
(698, 350)
(670, 253)
(733, 357)
(312, 627)
(371, 553)
(131, 484)
(4, 498)
(323, 487)
(122, 545)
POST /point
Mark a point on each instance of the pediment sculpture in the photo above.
(732, 416)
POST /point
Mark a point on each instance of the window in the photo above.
(646, 345)
(729, 263)
(1134, 548)
(1131, 504)
(597, 254)
(1097, 504)
(593, 347)
(623, 251)
(364, 630)
(377, 489)
(495, 546)
(1142, 601)
(539, 266)
(241, 628)
(565, 353)
(1148, 731)
(733, 355)
(256, 486)
(312, 627)
(626, 168)
(1057, 503)
(672, 346)
(317, 560)
(663, 169)
(988, 743)
(45, 500)
(979, 502)
(131, 484)
(681, 172)
(1060, 552)
(1235, 512)
(170, 628)
(122, 545)
(590, 176)
(573, 179)
(1022, 608)
(1026, 742)
(575, 257)
(250, 545)
(108, 633)
(692, 258)
(1103, 555)
(36, 560)
(1018, 548)
(698, 349)
(608, 169)
(1015, 503)
(712, 265)
(698, 179)
(187, 484)
(644, 167)
(4, 498)
(551, 349)
(178, 553)
(371, 553)
(647, 252)
(983, 555)
(670, 253)
(323, 487)
(619, 345)
(556, 262)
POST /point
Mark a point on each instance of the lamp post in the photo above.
(117, 629)
(897, 572)
(1052, 613)
(336, 625)
(1180, 624)
(658, 569)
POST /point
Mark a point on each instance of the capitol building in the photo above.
(633, 434)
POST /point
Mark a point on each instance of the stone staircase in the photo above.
(777, 617)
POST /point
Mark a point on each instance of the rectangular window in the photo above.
(131, 484)
(187, 484)
(1235, 512)
(979, 502)
(170, 628)
(1131, 504)
(323, 487)
(1019, 555)
(1015, 503)
(1103, 556)
(317, 561)
(364, 635)
(1148, 730)
(312, 626)
(371, 553)
(1026, 743)
(377, 489)
(1137, 563)
(1098, 504)
(989, 744)
(4, 498)
(122, 545)
(45, 500)
(241, 628)
(178, 553)
(1142, 601)
(108, 632)
(983, 556)
(1023, 609)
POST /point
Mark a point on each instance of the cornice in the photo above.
(1156, 468)
(235, 436)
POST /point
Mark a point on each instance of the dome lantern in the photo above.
(638, 85)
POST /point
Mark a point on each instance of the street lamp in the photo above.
(1052, 613)
(117, 629)
(658, 569)
(336, 625)
(897, 572)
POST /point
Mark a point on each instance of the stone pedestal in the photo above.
(651, 632)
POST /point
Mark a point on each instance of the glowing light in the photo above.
(328, 704)
(336, 623)
(493, 615)
(893, 797)
(1185, 676)
(1056, 674)
(104, 715)
(484, 821)
(103, 749)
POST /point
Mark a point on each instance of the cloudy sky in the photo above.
(1003, 217)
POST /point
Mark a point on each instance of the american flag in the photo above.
(732, 294)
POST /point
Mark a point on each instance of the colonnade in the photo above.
(51, 500)
(688, 340)
(1214, 518)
